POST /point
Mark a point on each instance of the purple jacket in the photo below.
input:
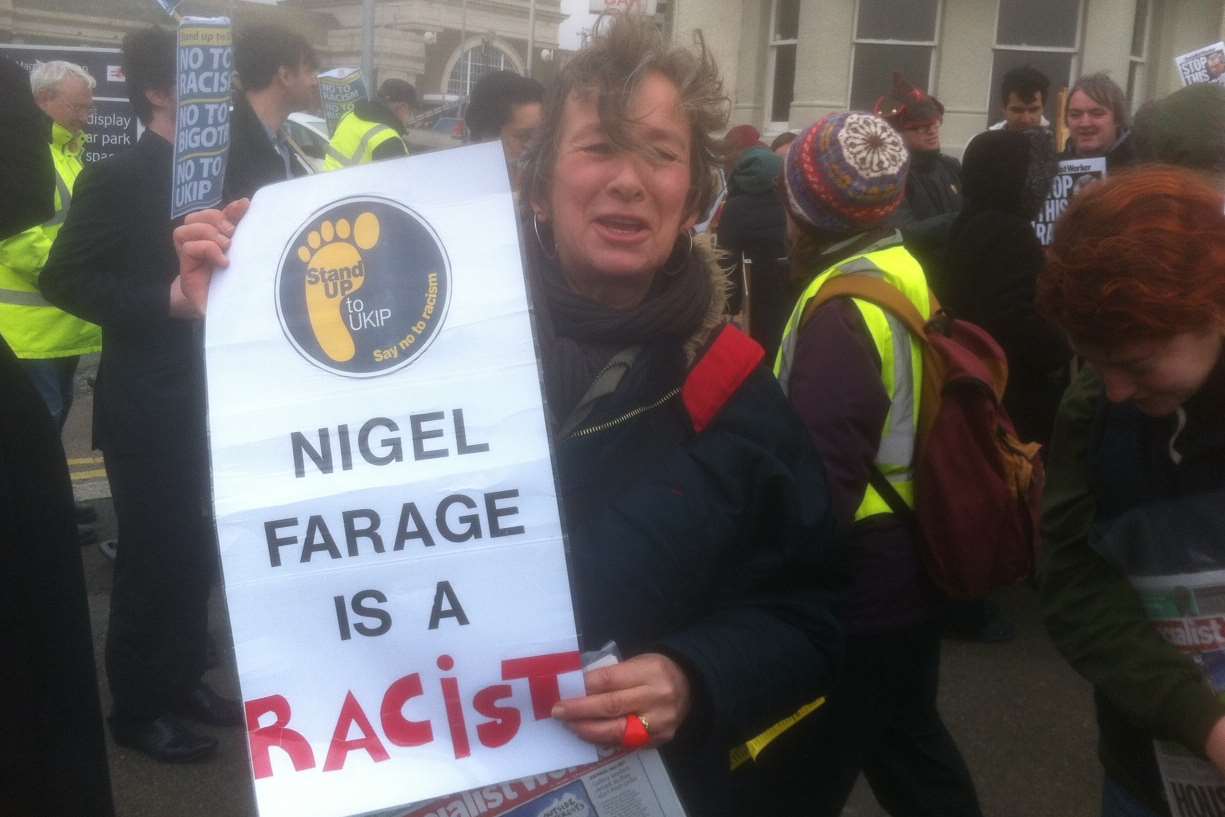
(836, 388)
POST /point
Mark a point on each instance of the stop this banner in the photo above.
(385, 502)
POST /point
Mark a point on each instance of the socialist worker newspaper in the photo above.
(1188, 611)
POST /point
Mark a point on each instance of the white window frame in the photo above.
(772, 45)
(1074, 50)
(475, 41)
(1137, 90)
(932, 64)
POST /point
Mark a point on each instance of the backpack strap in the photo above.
(719, 374)
(874, 290)
(888, 297)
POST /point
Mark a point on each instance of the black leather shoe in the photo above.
(85, 514)
(203, 705)
(165, 739)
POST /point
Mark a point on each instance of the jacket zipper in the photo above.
(629, 415)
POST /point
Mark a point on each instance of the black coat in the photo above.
(991, 270)
(1122, 153)
(253, 161)
(27, 178)
(716, 548)
(53, 751)
(112, 264)
(933, 188)
(755, 224)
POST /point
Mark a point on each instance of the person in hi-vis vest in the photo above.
(854, 375)
(374, 129)
(49, 341)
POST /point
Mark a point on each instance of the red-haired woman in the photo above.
(1133, 573)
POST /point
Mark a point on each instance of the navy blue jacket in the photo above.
(701, 527)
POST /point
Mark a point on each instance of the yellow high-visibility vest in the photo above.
(355, 140)
(32, 327)
(901, 358)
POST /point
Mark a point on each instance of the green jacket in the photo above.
(1109, 468)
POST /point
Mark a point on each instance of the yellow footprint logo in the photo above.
(334, 270)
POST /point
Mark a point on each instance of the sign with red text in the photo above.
(1188, 612)
(111, 127)
(384, 496)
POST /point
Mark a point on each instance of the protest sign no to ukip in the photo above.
(205, 61)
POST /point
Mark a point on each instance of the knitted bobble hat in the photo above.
(846, 173)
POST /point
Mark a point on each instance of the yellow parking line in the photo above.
(79, 476)
(84, 460)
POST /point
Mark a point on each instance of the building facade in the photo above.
(789, 62)
(444, 46)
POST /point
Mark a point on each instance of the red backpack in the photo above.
(977, 487)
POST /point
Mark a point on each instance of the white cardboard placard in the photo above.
(384, 496)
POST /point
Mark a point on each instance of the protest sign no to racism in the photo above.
(205, 62)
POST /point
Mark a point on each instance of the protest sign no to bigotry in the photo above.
(205, 62)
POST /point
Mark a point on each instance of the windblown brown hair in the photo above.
(612, 67)
(1138, 257)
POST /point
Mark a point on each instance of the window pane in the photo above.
(474, 64)
(784, 83)
(897, 20)
(1139, 31)
(1050, 23)
(786, 20)
(1135, 76)
(1057, 67)
(872, 77)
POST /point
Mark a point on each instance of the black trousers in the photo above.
(881, 720)
(156, 643)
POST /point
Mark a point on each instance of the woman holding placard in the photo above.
(701, 537)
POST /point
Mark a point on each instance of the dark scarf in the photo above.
(580, 336)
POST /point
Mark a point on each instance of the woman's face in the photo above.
(617, 214)
(1157, 375)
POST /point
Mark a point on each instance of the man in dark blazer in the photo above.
(277, 70)
(114, 264)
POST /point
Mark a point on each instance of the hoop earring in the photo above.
(676, 268)
(552, 256)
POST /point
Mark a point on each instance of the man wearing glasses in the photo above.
(933, 185)
(49, 341)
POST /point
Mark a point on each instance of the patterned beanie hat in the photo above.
(846, 173)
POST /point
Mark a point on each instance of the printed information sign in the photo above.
(205, 61)
(384, 496)
(1074, 176)
(112, 126)
(1188, 611)
(339, 89)
(1206, 64)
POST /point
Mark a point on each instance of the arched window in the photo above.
(476, 62)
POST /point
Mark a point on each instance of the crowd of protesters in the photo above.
(763, 564)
